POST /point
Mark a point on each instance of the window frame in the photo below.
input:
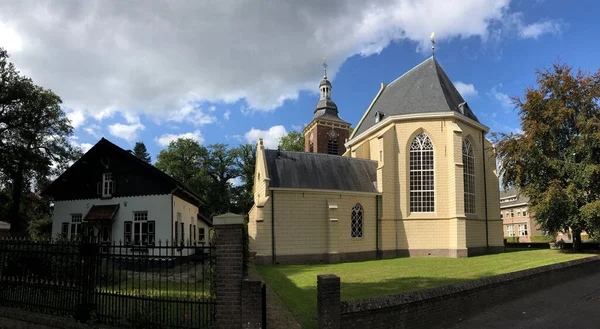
(142, 229)
(76, 225)
(357, 222)
(522, 228)
(108, 185)
(469, 183)
(510, 230)
(419, 147)
(201, 234)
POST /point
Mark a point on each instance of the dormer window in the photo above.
(378, 116)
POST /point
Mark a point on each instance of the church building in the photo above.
(415, 177)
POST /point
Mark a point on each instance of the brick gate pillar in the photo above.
(329, 305)
(229, 269)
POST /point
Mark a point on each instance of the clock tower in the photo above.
(326, 133)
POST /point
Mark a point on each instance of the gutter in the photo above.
(377, 253)
(487, 242)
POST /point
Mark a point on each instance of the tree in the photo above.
(243, 195)
(141, 152)
(556, 159)
(33, 137)
(185, 159)
(293, 141)
(221, 168)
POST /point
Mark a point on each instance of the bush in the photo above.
(543, 238)
(585, 237)
(511, 239)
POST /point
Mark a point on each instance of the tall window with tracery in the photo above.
(422, 198)
(468, 158)
(356, 229)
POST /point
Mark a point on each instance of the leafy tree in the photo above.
(556, 160)
(141, 152)
(185, 159)
(33, 137)
(221, 168)
(243, 195)
(293, 141)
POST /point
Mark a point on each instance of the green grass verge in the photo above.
(296, 285)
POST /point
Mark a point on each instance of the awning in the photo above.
(102, 213)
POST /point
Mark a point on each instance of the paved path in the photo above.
(574, 304)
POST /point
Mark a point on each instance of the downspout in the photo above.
(273, 258)
(377, 252)
(487, 242)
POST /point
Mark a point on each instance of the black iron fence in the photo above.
(153, 286)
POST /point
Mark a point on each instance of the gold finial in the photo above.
(432, 44)
(325, 67)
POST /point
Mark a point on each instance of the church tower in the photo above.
(326, 133)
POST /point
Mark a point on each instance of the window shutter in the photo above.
(151, 232)
(98, 187)
(127, 230)
(64, 228)
(113, 186)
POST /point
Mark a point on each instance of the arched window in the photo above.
(332, 147)
(356, 229)
(421, 174)
(468, 158)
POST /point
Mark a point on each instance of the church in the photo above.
(416, 177)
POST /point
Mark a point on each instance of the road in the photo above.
(574, 304)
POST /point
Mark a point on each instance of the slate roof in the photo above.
(320, 171)
(424, 89)
(521, 199)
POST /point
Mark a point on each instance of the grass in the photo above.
(296, 285)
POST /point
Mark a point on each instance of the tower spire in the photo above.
(325, 67)
(432, 44)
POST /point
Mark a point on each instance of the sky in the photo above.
(234, 71)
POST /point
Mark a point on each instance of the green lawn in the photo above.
(296, 285)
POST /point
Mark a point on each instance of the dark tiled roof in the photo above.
(512, 193)
(205, 219)
(102, 212)
(425, 88)
(320, 171)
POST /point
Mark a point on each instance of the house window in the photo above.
(311, 148)
(128, 232)
(108, 185)
(468, 158)
(64, 229)
(76, 223)
(332, 147)
(525, 212)
(195, 233)
(501, 215)
(201, 234)
(522, 229)
(519, 212)
(356, 228)
(421, 174)
(510, 230)
(191, 233)
(512, 213)
(182, 233)
(143, 232)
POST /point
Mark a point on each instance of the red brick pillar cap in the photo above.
(228, 219)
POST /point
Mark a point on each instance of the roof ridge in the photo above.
(321, 154)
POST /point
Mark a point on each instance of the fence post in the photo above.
(229, 265)
(252, 312)
(328, 301)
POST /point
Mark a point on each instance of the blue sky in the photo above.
(252, 70)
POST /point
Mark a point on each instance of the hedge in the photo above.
(543, 238)
(511, 239)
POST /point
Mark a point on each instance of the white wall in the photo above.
(158, 207)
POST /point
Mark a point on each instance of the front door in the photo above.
(104, 235)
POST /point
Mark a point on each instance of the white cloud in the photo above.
(93, 130)
(165, 139)
(84, 146)
(127, 132)
(501, 97)
(227, 114)
(533, 31)
(107, 58)
(270, 137)
(235, 181)
(465, 89)
(192, 114)
(76, 117)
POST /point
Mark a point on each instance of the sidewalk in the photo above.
(574, 304)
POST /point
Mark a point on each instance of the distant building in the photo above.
(517, 220)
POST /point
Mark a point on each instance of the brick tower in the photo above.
(326, 133)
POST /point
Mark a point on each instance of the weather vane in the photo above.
(325, 67)
(432, 44)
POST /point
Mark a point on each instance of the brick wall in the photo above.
(446, 305)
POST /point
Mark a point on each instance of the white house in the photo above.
(119, 198)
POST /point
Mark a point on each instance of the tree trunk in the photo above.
(577, 241)
(17, 226)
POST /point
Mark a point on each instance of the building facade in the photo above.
(418, 178)
(111, 194)
(516, 218)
